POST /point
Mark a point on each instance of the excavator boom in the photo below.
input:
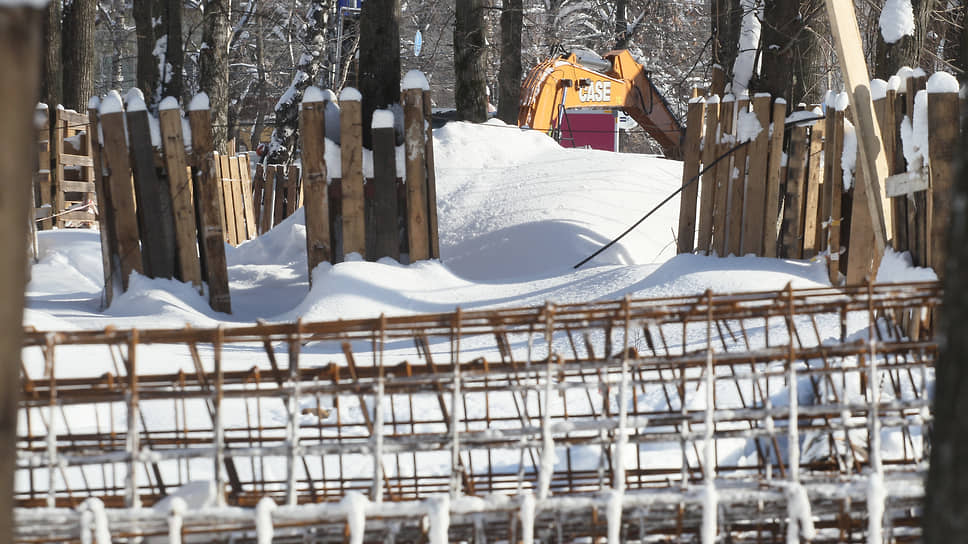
(615, 80)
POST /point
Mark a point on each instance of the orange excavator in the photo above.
(584, 80)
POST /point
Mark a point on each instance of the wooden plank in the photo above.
(921, 249)
(75, 120)
(351, 146)
(692, 158)
(387, 231)
(431, 178)
(708, 186)
(811, 204)
(723, 173)
(43, 178)
(850, 51)
(895, 163)
(258, 190)
(180, 187)
(792, 226)
(251, 228)
(833, 190)
(121, 190)
(228, 203)
(312, 120)
(906, 183)
(293, 191)
(737, 185)
(154, 201)
(77, 186)
(281, 188)
(65, 159)
(268, 198)
(861, 249)
(943, 118)
(210, 213)
(416, 175)
(60, 132)
(109, 246)
(756, 182)
(774, 168)
(235, 186)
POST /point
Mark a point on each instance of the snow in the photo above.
(102, 532)
(748, 126)
(178, 509)
(914, 134)
(263, 520)
(355, 504)
(876, 494)
(749, 37)
(438, 509)
(526, 514)
(894, 83)
(135, 100)
(168, 103)
(349, 94)
(92, 103)
(848, 159)
(878, 89)
(28, 3)
(111, 104)
(896, 20)
(415, 79)
(942, 82)
(199, 102)
(382, 119)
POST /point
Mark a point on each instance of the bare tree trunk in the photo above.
(21, 29)
(147, 69)
(509, 75)
(214, 67)
(78, 53)
(621, 24)
(726, 20)
(791, 54)
(53, 83)
(891, 57)
(173, 84)
(470, 91)
(379, 76)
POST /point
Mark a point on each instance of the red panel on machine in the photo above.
(590, 129)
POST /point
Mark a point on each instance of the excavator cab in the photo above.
(584, 80)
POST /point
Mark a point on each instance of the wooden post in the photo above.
(245, 186)
(120, 187)
(919, 210)
(234, 181)
(386, 231)
(724, 171)
(792, 228)
(281, 188)
(861, 256)
(57, 149)
(718, 81)
(351, 147)
(843, 25)
(417, 231)
(834, 187)
(228, 203)
(692, 156)
(182, 201)
(943, 118)
(708, 194)
(268, 198)
(154, 200)
(811, 204)
(209, 206)
(756, 183)
(44, 175)
(294, 198)
(737, 185)
(105, 218)
(312, 119)
(773, 178)
(884, 110)
(431, 178)
(258, 190)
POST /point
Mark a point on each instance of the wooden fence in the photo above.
(64, 182)
(781, 194)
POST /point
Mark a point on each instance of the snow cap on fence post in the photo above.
(415, 79)
(199, 102)
(382, 119)
(942, 82)
(263, 520)
(168, 103)
(111, 104)
(135, 100)
(313, 94)
(355, 504)
(93, 103)
(349, 94)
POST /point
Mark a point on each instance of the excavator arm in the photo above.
(613, 81)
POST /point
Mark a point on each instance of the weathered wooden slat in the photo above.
(861, 250)
(834, 188)
(65, 159)
(811, 204)
(180, 187)
(756, 182)
(78, 215)
(312, 120)
(921, 248)
(281, 188)
(268, 198)
(109, 245)
(121, 190)
(78, 187)
(43, 177)
(792, 226)
(416, 175)
(210, 213)
(692, 158)
(245, 169)
(351, 146)
(737, 185)
(943, 118)
(774, 177)
(75, 120)
(884, 110)
(431, 178)
(235, 186)
(724, 171)
(60, 132)
(708, 188)
(154, 201)
(258, 190)
(228, 203)
(387, 231)
(905, 183)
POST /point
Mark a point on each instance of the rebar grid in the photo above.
(646, 405)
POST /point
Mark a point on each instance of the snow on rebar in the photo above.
(710, 505)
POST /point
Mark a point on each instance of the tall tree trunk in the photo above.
(78, 53)
(791, 54)
(509, 74)
(621, 24)
(470, 90)
(172, 84)
(379, 73)
(907, 51)
(214, 67)
(21, 29)
(53, 84)
(146, 73)
(726, 20)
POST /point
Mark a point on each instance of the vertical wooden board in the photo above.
(312, 119)
(756, 182)
(387, 231)
(293, 192)
(834, 189)
(251, 231)
(737, 185)
(417, 232)
(154, 201)
(884, 113)
(180, 185)
(87, 149)
(258, 189)
(792, 225)
(223, 174)
(708, 187)
(895, 163)
(351, 155)
(717, 81)
(109, 245)
(121, 190)
(268, 198)
(692, 155)
(235, 178)
(850, 51)
(281, 188)
(60, 132)
(943, 118)
(431, 179)
(210, 211)
(724, 171)
(921, 207)
(44, 166)
(774, 167)
(862, 253)
(811, 204)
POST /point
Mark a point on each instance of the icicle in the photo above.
(527, 518)
(355, 504)
(263, 520)
(178, 508)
